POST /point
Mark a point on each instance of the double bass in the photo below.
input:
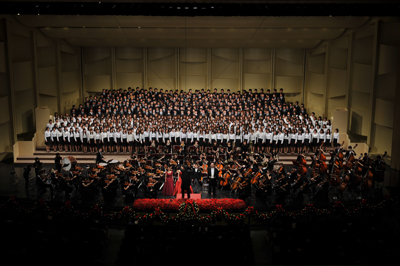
(350, 160)
(345, 182)
(379, 173)
(369, 176)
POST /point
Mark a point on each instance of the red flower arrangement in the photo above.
(203, 204)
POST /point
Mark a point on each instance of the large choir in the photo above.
(133, 120)
(224, 141)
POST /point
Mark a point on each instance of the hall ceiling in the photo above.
(160, 31)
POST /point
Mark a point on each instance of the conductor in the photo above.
(99, 156)
(186, 181)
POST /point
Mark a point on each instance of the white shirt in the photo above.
(336, 136)
(129, 138)
(53, 135)
(212, 172)
(47, 134)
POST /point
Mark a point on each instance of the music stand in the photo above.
(150, 148)
(177, 147)
(209, 157)
(180, 157)
(148, 162)
(168, 155)
(221, 156)
(209, 149)
(140, 155)
(195, 157)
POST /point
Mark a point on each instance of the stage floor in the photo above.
(8, 190)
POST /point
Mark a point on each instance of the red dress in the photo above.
(178, 189)
(168, 189)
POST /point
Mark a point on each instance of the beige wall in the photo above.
(35, 71)
(194, 68)
(358, 71)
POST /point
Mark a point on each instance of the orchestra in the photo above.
(242, 174)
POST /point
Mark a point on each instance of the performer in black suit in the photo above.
(212, 179)
(196, 179)
(99, 156)
(186, 181)
(37, 165)
(57, 161)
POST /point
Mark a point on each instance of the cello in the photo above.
(255, 178)
(204, 171)
(224, 180)
(236, 183)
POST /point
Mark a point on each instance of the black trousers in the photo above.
(58, 167)
(212, 185)
(187, 191)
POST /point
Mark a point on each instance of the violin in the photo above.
(158, 171)
(93, 176)
(243, 184)
(110, 177)
(313, 179)
(302, 186)
(279, 172)
(152, 182)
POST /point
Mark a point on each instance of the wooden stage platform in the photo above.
(47, 158)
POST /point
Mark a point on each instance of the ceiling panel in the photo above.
(162, 33)
(206, 43)
(68, 21)
(158, 31)
(61, 33)
(197, 22)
